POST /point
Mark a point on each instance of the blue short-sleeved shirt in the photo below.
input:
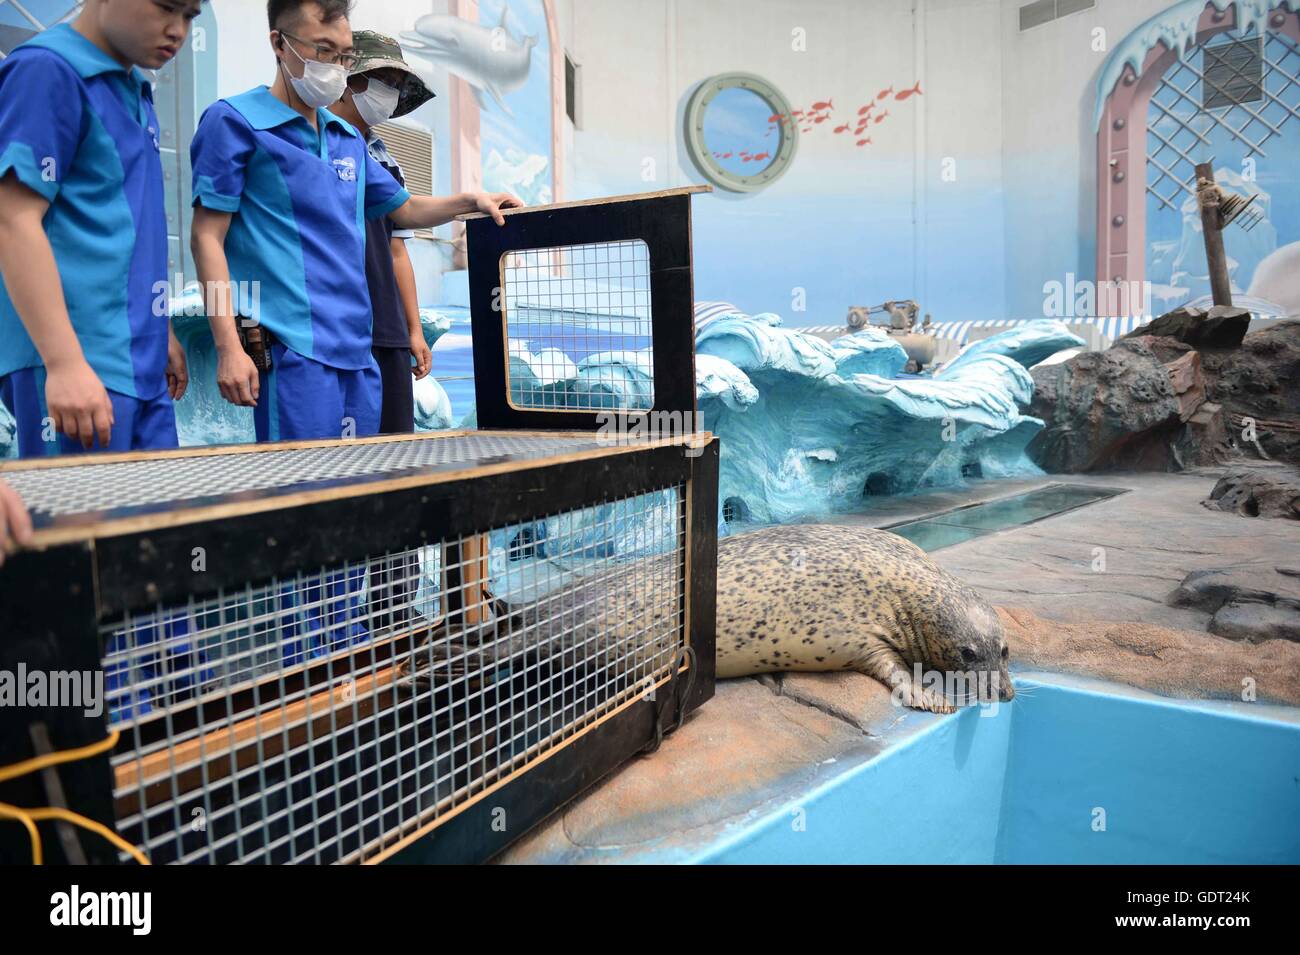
(300, 200)
(80, 130)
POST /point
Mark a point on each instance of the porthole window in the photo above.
(738, 133)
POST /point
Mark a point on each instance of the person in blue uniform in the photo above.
(382, 87)
(282, 190)
(87, 356)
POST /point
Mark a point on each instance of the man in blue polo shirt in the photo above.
(282, 189)
(84, 350)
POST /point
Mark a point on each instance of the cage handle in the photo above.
(685, 655)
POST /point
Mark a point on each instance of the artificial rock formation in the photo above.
(1259, 381)
(1117, 408)
(1159, 402)
(1219, 327)
(1258, 493)
(1251, 603)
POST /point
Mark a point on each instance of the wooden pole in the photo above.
(1207, 197)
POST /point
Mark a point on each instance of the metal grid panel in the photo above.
(324, 717)
(20, 19)
(92, 487)
(1178, 126)
(578, 327)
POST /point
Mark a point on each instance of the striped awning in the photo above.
(708, 312)
(1111, 328)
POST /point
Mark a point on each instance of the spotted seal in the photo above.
(832, 597)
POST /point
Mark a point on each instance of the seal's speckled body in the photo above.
(831, 597)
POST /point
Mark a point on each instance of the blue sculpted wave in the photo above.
(820, 423)
(808, 425)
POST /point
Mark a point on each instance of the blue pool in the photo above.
(1070, 772)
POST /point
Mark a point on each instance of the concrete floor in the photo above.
(1114, 560)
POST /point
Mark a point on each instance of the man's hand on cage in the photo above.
(492, 203)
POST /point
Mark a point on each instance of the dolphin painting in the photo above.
(487, 58)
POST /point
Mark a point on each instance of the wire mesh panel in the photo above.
(21, 19)
(323, 717)
(578, 327)
(92, 487)
(582, 314)
(1227, 94)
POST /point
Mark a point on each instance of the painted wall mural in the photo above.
(505, 58)
(741, 133)
(1217, 82)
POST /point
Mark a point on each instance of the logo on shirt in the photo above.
(346, 168)
(154, 134)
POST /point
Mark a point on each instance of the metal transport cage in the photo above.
(412, 647)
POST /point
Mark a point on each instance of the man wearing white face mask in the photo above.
(382, 87)
(282, 189)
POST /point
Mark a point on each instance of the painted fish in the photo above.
(867, 109)
(842, 129)
(760, 156)
(827, 104)
(864, 142)
(821, 119)
(914, 90)
(881, 117)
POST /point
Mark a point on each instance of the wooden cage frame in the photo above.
(660, 219)
(81, 573)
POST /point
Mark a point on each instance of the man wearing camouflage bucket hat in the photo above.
(381, 86)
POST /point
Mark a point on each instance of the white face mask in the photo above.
(321, 84)
(378, 103)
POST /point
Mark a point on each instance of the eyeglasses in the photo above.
(327, 54)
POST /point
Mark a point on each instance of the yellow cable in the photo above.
(14, 770)
(67, 815)
(13, 812)
(26, 816)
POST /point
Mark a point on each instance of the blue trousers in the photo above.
(302, 399)
(138, 425)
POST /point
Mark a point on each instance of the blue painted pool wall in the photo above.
(885, 811)
(1179, 784)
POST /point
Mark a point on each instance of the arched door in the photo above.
(1231, 94)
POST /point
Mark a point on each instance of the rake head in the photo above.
(1241, 210)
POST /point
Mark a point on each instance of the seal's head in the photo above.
(973, 641)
